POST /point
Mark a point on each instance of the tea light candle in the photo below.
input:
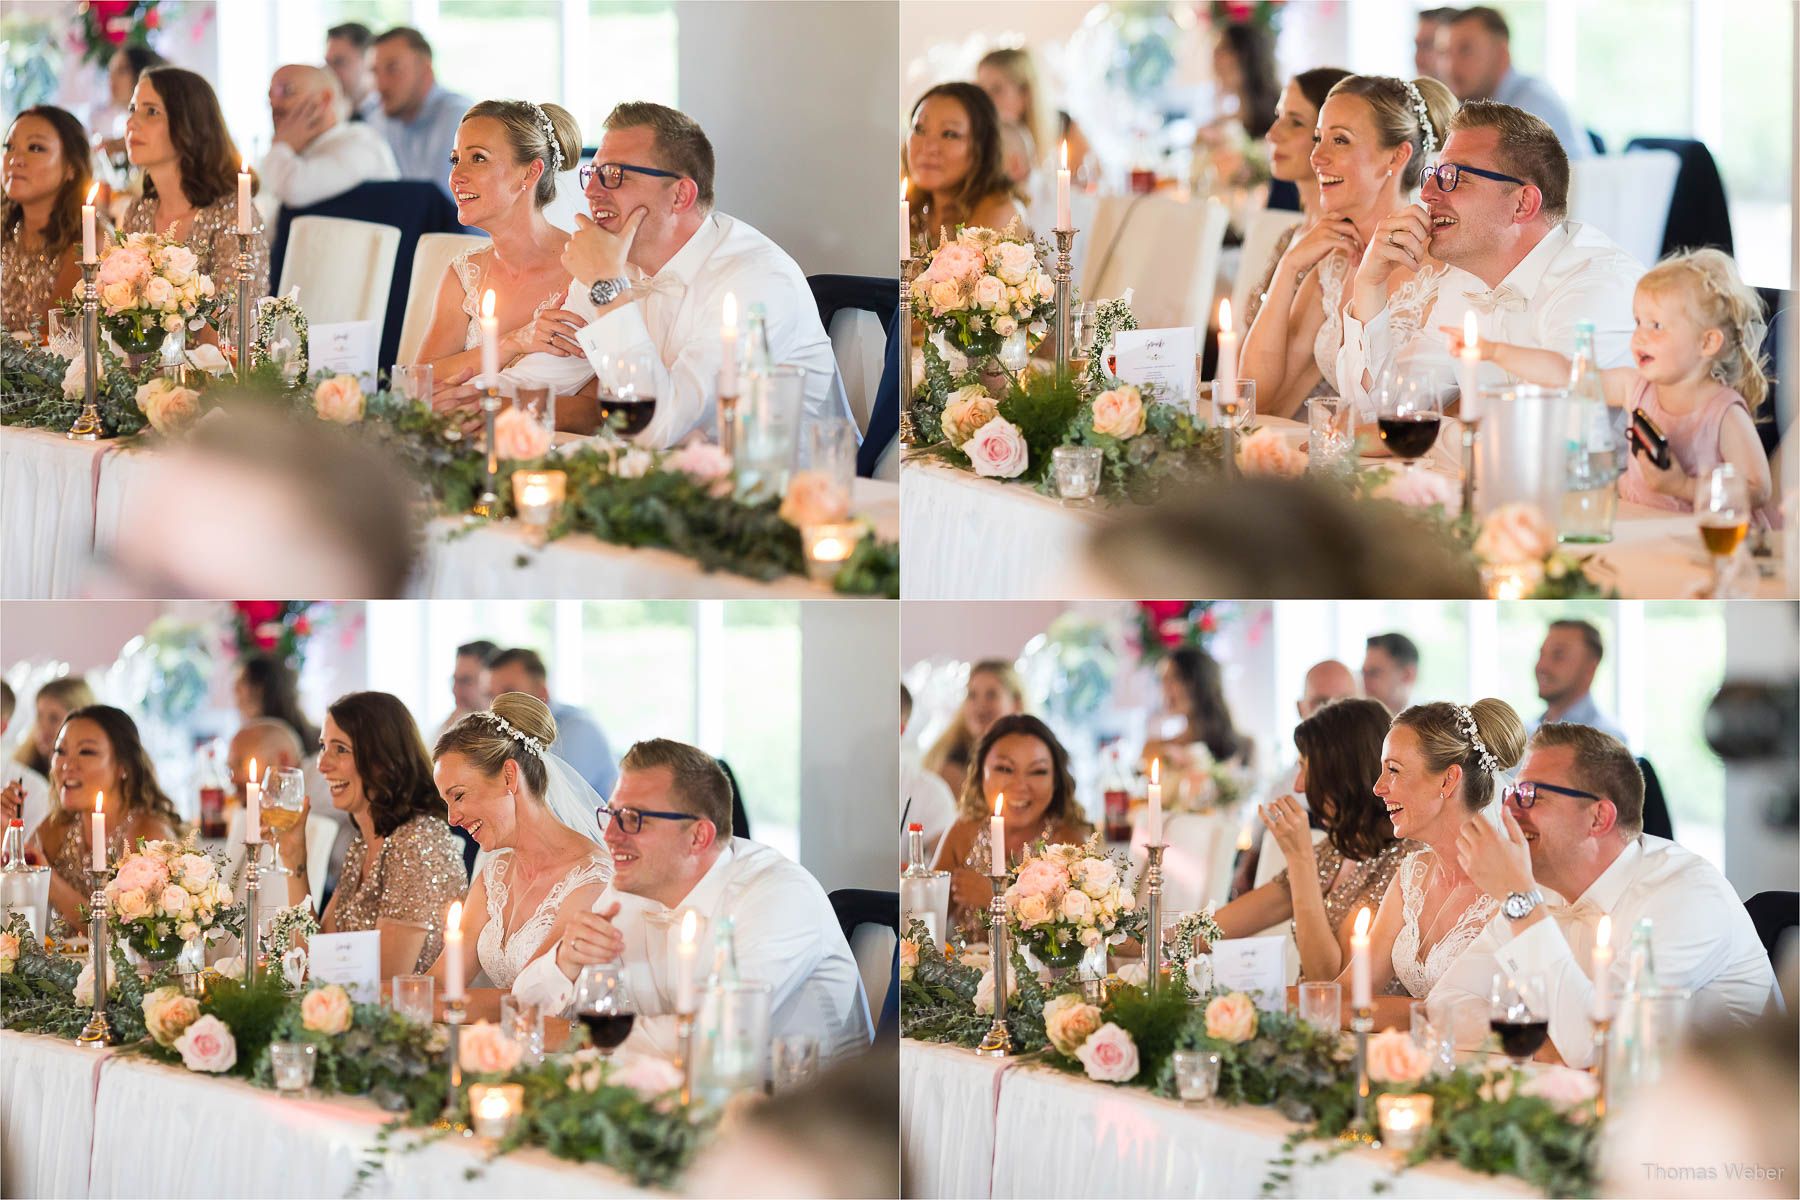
(89, 241)
(97, 833)
(728, 339)
(905, 221)
(538, 495)
(1470, 363)
(1359, 961)
(252, 806)
(1600, 967)
(1404, 1120)
(490, 347)
(1062, 189)
(829, 545)
(687, 952)
(244, 197)
(495, 1107)
(997, 836)
(1155, 821)
(453, 953)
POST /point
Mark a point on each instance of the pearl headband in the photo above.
(530, 743)
(1488, 762)
(1419, 106)
(543, 120)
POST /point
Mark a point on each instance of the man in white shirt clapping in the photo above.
(317, 152)
(668, 826)
(1573, 825)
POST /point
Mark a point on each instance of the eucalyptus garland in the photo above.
(272, 309)
(1111, 317)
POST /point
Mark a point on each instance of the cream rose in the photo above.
(984, 991)
(1515, 533)
(1013, 261)
(519, 436)
(990, 293)
(133, 904)
(649, 1076)
(909, 958)
(1096, 876)
(175, 901)
(9, 953)
(170, 408)
(1267, 452)
(1005, 326)
(1417, 489)
(1069, 1022)
(339, 399)
(207, 1045)
(1120, 412)
(168, 1013)
(487, 1050)
(705, 462)
(814, 498)
(117, 297)
(1231, 1018)
(1395, 1058)
(1563, 1087)
(946, 294)
(998, 450)
(1032, 911)
(179, 263)
(326, 1009)
(159, 293)
(84, 984)
(195, 871)
(1077, 907)
(74, 384)
(1109, 1055)
(968, 409)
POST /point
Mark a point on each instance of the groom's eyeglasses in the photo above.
(612, 174)
(1449, 174)
(632, 819)
(1525, 794)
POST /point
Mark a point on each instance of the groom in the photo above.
(668, 826)
(1574, 825)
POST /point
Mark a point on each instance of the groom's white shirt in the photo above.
(1703, 941)
(678, 314)
(786, 936)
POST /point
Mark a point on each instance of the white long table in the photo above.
(972, 1127)
(77, 1123)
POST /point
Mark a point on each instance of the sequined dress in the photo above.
(27, 285)
(1365, 885)
(73, 858)
(213, 238)
(416, 875)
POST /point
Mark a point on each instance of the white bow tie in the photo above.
(661, 284)
(1504, 297)
(1582, 912)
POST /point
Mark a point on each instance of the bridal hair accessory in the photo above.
(1489, 763)
(543, 120)
(1419, 106)
(530, 743)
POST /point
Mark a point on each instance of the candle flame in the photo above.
(454, 920)
(92, 192)
(690, 927)
(250, 776)
(905, 186)
(487, 304)
(1155, 770)
(1225, 316)
(244, 167)
(999, 803)
(1362, 923)
(1603, 934)
(1244, 840)
(1065, 154)
(99, 802)
(731, 311)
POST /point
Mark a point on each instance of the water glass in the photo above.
(412, 381)
(831, 454)
(1436, 1037)
(540, 402)
(1077, 471)
(794, 1060)
(1330, 434)
(1196, 1075)
(1321, 1005)
(524, 1024)
(414, 996)
(293, 1064)
(770, 436)
(1234, 407)
(733, 1041)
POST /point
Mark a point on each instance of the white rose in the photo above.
(990, 293)
(1013, 261)
(984, 991)
(159, 293)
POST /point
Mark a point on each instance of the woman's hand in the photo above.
(551, 332)
(970, 889)
(1398, 245)
(1330, 234)
(12, 802)
(292, 842)
(1287, 822)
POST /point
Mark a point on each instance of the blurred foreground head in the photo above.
(1264, 538)
(252, 504)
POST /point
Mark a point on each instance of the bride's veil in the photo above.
(572, 800)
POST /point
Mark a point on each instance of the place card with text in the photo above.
(1256, 966)
(348, 348)
(1163, 357)
(350, 959)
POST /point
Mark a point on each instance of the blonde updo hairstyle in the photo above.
(1445, 742)
(525, 134)
(487, 746)
(1397, 119)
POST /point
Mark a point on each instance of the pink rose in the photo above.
(1109, 1055)
(648, 1076)
(1515, 533)
(1013, 261)
(124, 265)
(339, 400)
(1563, 1087)
(954, 261)
(814, 498)
(9, 953)
(1266, 452)
(1395, 1058)
(990, 293)
(968, 410)
(1120, 412)
(141, 872)
(207, 1045)
(518, 435)
(168, 1013)
(1417, 489)
(1040, 878)
(487, 1050)
(1069, 1022)
(1231, 1018)
(705, 462)
(326, 1009)
(998, 450)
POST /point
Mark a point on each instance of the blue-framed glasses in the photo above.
(612, 174)
(1524, 793)
(1449, 174)
(631, 820)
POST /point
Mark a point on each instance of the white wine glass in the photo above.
(283, 805)
(1722, 510)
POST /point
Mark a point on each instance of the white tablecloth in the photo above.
(46, 1115)
(948, 1099)
(47, 487)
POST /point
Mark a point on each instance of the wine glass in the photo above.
(283, 799)
(1517, 1012)
(1722, 510)
(1409, 410)
(627, 390)
(604, 1003)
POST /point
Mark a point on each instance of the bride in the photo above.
(1439, 764)
(536, 819)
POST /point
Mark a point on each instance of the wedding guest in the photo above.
(1325, 681)
(925, 799)
(347, 54)
(265, 686)
(494, 771)
(404, 866)
(123, 70)
(417, 116)
(578, 738)
(1494, 211)
(1697, 374)
(270, 743)
(1567, 660)
(1375, 134)
(176, 134)
(98, 750)
(1474, 52)
(54, 701)
(955, 166)
(995, 690)
(669, 829)
(1257, 863)
(651, 271)
(1425, 55)
(1321, 890)
(503, 169)
(1020, 758)
(1290, 142)
(26, 795)
(1389, 670)
(1244, 74)
(1574, 826)
(1193, 693)
(1010, 79)
(47, 175)
(470, 688)
(317, 152)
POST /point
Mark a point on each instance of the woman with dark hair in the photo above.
(1194, 692)
(47, 174)
(98, 750)
(176, 135)
(265, 687)
(404, 866)
(123, 70)
(1019, 758)
(955, 165)
(1322, 887)
(1244, 67)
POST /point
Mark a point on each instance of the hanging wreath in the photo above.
(106, 25)
(267, 315)
(277, 627)
(1110, 318)
(1164, 626)
(1265, 13)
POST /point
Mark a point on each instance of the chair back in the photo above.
(1698, 214)
(1626, 197)
(1165, 250)
(740, 816)
(871, 924)
(431, 258)
(1774, 420)
(855, 311)
(1773, 914)
(1261, 233)
(1656, 809)
(343, 268)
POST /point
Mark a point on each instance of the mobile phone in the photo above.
(1648, 440)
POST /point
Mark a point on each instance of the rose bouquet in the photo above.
(150, 287)
(1068, 900)
(168, 895)
(982, 287)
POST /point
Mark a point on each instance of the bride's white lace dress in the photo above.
(470, 268)
(503, 955)
(1417, 975)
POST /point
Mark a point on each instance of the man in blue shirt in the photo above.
(1475, 60)
(417, 117)
(1566, 665)
(578, 739)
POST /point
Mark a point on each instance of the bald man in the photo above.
(1326, 681)
(317, 152)
(270, 742)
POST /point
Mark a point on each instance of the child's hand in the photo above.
(1484, 349)
(1670, 480)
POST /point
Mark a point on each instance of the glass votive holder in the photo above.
(494, 1108)
(1196, 1075)
(411, 381)
(414, 996)
(1404, 1120)
(1234, 406)
(1329, 434)
(1077, 471)
(292, 1064)
(538, 495)
(829, 545)
(1321, 1005)
(524, 1024)
(794, 1060)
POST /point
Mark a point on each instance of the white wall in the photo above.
(1762, 642)
(798, 98)
(849, 714)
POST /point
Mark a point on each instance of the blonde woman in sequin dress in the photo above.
(404, 867)
(47, 173)
(176, 135)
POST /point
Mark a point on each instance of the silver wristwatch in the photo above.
(1520, 904)
(605, 291)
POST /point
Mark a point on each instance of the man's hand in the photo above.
(1399, 242)
(305, 120)
(1499, 861)
(593, 254)
(459, 394)
(590, 937)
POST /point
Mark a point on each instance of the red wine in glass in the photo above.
(1520, 1039)
(609, 1030)
(1409, 437)
(634, 413)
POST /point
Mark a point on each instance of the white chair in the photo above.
(1626, 197)
(431, 258)
(344, 269)
(1260, 235)
(873, 948)
(1165, 250)
(860, 345)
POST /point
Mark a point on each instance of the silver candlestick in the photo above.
(1602, 1051)
(243, 310)
(488, 504)
(1065, 238)
(1471, 437)
(1362, 1022)
(87, 426)
(909, 271)
(455, 1014)
(99, 1031)
(1153, 886)
(1228, 409)
(252, 905)
(997, 1043)
(684, 1048)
